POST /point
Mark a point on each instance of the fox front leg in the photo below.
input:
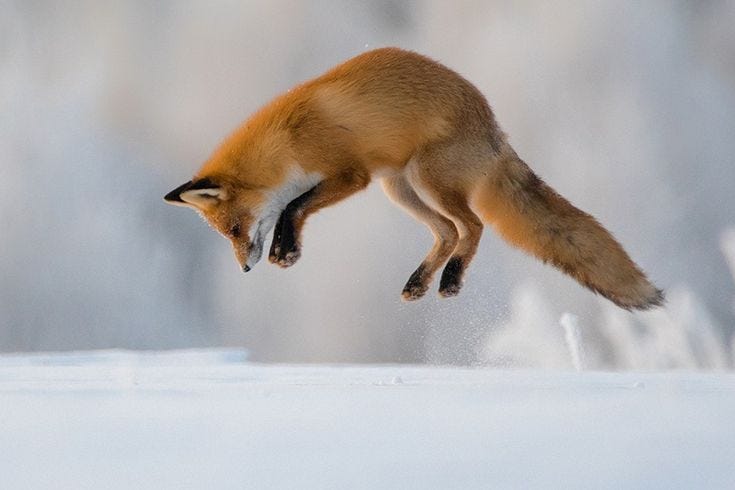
(275, 250)
(287, 248)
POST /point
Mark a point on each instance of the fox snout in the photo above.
(243, 249)
(249, 249)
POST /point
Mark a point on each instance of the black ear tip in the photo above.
(175, 195)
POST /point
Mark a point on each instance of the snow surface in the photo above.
(207, 419)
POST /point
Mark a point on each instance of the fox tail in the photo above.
(532, 216)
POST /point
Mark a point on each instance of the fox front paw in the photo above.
(274, 253)
(287, 259)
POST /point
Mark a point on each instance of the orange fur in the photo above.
(431, 137)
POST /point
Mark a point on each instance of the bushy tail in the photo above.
(532, 216)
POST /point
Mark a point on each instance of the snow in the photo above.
(208, 419)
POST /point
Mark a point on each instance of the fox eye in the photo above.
(235, 231)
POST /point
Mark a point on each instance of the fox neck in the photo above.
(296, 183)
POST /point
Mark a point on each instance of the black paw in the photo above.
(416, 286)
(289, 258)
(285, 249)
(275, 249)
(451, 281)
(413, 294)
(274, 252)
(450, 290)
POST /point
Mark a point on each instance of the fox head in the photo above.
(235, 211)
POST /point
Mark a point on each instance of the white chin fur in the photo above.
(256, 253)
(260, 230)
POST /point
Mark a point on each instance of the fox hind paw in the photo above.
(416, 286)
(451, 281)
(413, 293)
(450, 290)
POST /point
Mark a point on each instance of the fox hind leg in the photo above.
(447, 198)
(469, 225)
(445, 234)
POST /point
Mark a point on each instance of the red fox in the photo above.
(431, 138)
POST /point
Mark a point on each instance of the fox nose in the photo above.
(246, 268)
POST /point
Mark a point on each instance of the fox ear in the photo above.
(200, 194)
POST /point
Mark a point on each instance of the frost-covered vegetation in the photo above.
(684, 335)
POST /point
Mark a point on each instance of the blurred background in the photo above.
(626, 108)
